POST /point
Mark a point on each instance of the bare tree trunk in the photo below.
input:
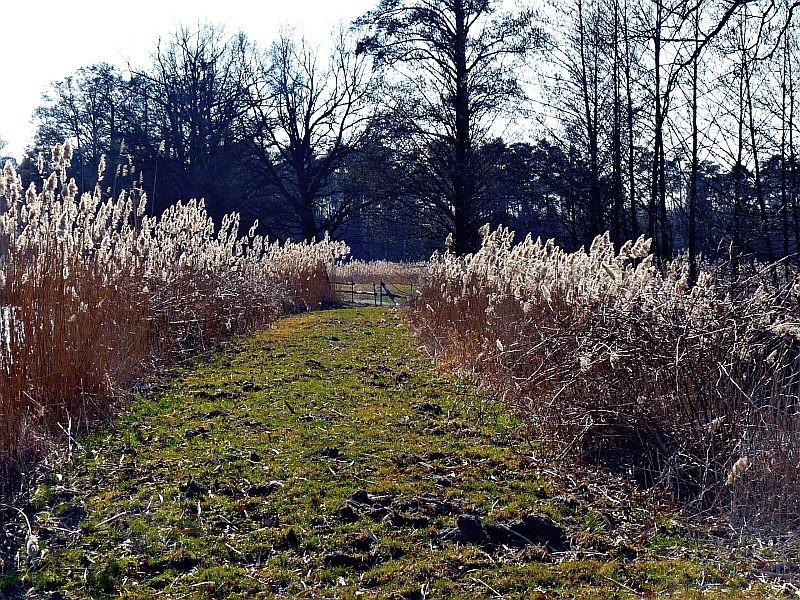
(762, 206)
(692, 241)
(618, 229)
(466, 227)
(655, 227)
(792, 170)
(634, 214)
(784, 170)
(589, 92)
(738, 174)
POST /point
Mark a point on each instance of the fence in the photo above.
(356, 293)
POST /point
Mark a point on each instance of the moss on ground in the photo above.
(327, 458)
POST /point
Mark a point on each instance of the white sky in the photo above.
(47, 40)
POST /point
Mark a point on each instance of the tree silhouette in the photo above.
(451, 64)
(307, 116)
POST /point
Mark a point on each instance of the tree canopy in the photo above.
(429, 118)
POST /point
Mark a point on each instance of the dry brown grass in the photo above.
(93, 292)
(611, 361)
(391, 273)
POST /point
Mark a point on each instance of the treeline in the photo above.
(670, 118)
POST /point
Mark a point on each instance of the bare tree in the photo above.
(584, 91)
(695, 153)
(452, 64)
(88, 108)
(197, 92)
(307, 116)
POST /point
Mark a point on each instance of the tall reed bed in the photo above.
(394, 273)
(93, 291)
(609, 360)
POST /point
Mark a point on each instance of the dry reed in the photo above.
(393, 273)
(609, 360)
(93, 291)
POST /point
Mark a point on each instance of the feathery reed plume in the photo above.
(93, 291)
(612, 361)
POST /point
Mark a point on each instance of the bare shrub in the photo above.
(92, 291)
(611, 361)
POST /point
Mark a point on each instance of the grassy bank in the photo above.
(327, 458)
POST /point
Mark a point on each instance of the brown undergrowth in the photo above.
(693, 389)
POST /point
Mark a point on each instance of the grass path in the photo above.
(325, 458)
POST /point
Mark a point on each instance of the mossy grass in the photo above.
(327, 458)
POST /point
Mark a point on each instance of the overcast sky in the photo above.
(45, 41)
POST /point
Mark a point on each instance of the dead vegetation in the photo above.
(692, 389)
(94, 294)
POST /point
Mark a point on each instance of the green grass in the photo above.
(244, 477)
